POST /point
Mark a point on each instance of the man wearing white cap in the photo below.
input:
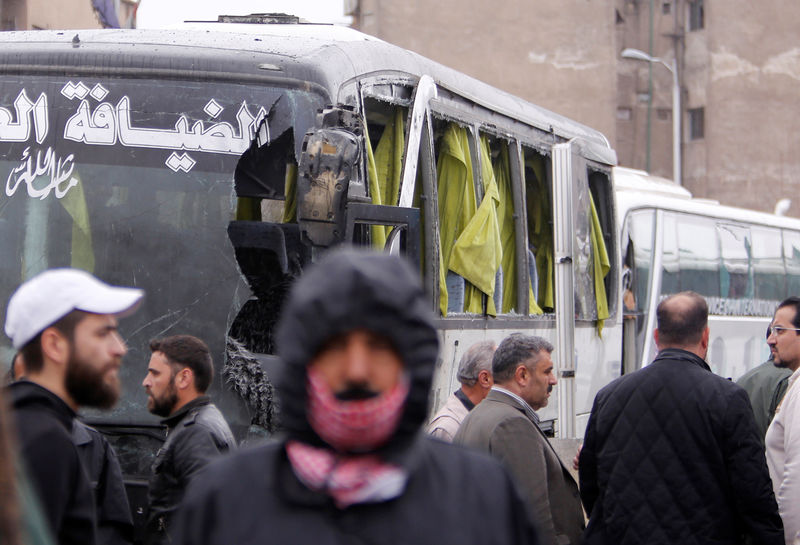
(64, 323)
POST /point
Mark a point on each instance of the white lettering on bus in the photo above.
(725, 306)
(107, 125)
(47, 163)
(20, 130)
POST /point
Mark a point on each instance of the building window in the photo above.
(696, 123)
(666, 7)
(624, 114)
(696, 15)
(663, 114)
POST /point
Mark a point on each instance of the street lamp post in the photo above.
(672, 66)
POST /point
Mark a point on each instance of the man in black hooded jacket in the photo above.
(359, 349)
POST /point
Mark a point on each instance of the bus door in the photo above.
(587, 336)
(638, 238)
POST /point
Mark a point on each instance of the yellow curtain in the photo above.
(74, 202)
(290, 193)
(384, 168)
(456, 197)
(505, 217)
(540, 233)
(478, 251)
(248, 209)
(601, 266)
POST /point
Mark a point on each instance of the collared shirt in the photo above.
(527, 408)
(783, 455)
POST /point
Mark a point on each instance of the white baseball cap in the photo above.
(49, 296)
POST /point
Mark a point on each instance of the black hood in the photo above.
(347, 290)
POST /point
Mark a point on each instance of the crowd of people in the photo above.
(672, 453)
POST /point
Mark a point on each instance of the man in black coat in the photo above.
(359, 348)
(178, 374)
(64, 323)
(671, 452)
(114, 517)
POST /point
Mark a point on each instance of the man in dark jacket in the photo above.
(671, 452)
(765, 386)
(358, 345)
(114, 517)
(506, 426)
(178, 375)
(64, 322)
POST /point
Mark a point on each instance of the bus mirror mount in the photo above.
(328, 170)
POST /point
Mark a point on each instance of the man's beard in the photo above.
(87, 386)
(162, 406)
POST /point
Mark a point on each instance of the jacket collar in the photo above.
(174, 419)
(682, 355)
(498, 393)
(26, 393)
(462, 397)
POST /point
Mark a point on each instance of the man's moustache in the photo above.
(355, 393)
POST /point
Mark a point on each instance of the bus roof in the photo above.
(637, 189)
(322, 55)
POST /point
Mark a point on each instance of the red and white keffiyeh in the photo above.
(348, 480)
(354, 426)
(357, 426)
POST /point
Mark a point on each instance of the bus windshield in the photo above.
(133, 181)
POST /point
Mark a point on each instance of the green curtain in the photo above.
(74, 202)
(478, 251)
(601, 266)
(384, 169)
(456, 197)
(540, 232)
(505, 217)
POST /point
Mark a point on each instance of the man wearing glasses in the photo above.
(783, 434)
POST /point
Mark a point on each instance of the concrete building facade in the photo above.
(54, 14)
(738, 66)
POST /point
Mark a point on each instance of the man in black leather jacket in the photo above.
(358, 346)
(178, 375)
(671, 452)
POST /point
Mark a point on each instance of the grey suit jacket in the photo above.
(500, 426)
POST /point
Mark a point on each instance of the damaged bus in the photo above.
(209, 165)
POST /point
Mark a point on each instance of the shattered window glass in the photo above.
(133, 180)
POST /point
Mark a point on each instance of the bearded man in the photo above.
(178, 375)
(64, 323)
(359, 347)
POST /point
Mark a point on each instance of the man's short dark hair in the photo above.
(682, 324)
(187, 351)
(32, 352)
(793, 301)
(515, 349)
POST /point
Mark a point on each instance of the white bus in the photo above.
(742, 261)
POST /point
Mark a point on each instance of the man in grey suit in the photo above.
(506, 426)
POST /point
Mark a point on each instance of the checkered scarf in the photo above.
(354, 426)
(347, 479)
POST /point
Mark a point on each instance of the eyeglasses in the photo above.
(777, 330)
